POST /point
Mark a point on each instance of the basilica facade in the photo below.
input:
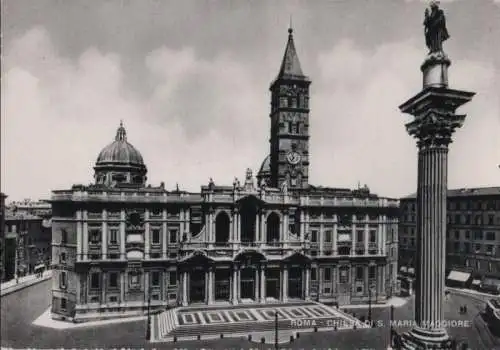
(120, 244)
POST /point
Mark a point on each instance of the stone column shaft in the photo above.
(262, 284)
(431, 233)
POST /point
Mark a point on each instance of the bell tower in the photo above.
(289, 142)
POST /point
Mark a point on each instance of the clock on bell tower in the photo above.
(289, 154)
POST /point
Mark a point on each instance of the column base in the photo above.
(234, 302)
(423, 338)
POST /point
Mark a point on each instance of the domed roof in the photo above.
(265, 168)
(120, 151)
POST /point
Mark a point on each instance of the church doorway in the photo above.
(248, 283)
(295, 283)
(197, 286)
(273, 287)
(222, 284)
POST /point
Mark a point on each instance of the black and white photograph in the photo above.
(250, 174)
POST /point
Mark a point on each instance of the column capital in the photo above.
(435, 128)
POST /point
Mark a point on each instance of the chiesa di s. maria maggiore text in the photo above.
(118, 243)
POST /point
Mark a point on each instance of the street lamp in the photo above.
(148, 328)
(370, 304)
(276, 329)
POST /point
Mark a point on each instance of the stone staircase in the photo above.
(167, 322)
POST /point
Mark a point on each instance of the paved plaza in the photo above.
(240, 321)
(21, 309)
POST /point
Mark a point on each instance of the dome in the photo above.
(265, 168)
(120, 163)
(120, 151)
(264, 174)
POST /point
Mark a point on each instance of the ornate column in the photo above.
(164, 235)
(85, 229)
(285, 283)
(262, 284)
(123, 253)
(257, 284)
(105, 235)
(235, 285)
(263, 228)
(147, 235)
(122, 287)
(211, 275)
(434, 124)
(184, 288)
(238, 284)
(308, 283)
(79, 235)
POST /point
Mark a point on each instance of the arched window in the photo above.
(248, 214)
(273, 228)
(222, 224)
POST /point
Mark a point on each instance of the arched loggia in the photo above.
(222, 227)
(272, 228)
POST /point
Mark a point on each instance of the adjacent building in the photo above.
(118, 243)
(472, 236)
(27, 243)
(2, 236)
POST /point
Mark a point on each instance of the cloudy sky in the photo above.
(190, 81)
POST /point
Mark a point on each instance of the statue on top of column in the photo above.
(435, 28)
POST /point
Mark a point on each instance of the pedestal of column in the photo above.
(434, 124)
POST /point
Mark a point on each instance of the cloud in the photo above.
(358, 131)
(209, 117)
(59, 114)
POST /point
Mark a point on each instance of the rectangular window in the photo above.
(63, 280)
(327, 274)
(95, 280)
(173, 236)
(155, 278)
(467, 234)
(490, 236)
(457, 219)
(63, 304)
(467, 248)
(456, 246)
(359, 272)
(328, 236)
(314, 274)
(489, 248)
(360, 236)
(64, 236)
(113, 280)
(155, 236)
(314, 236)
(113, 236)
(172, 278)
(62, 257)
(372, 272)
(457, 235)
(94, 236)
(344, 275)
(477, 248)
(373, 236)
